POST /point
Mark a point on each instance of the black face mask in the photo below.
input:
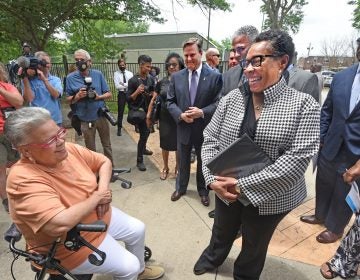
(122, 69)
(81, 65)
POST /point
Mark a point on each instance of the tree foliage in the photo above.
(283, 14)
(356, 13)
(39, 22)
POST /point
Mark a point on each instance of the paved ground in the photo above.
(177, 232)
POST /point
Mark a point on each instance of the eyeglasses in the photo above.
(240, 49)
(80, 59)
(171, 64)
(218, 55)
(60, 134)
(255, 61)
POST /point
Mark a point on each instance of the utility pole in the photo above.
(309, 48)
(208, 35)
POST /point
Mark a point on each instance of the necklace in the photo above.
(258, 107)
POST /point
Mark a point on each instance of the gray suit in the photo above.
(231, 79)
(304, 81)
(191, 134)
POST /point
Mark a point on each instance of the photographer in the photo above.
(140, 90)
(41, 89)
(10, 99)
(88, 96)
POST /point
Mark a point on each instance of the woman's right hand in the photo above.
(102, 196)
(226, 188)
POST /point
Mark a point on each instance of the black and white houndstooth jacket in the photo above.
(287, 130)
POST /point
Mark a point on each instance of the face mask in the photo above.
(122, 68)
(81, 65)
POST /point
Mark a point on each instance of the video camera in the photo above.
(18, 68)
(104, 111)
(90, 91)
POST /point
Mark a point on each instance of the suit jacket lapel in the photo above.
(202, 80)
(186, 85)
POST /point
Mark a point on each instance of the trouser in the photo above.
(89, 132)
(122, 263)
(121, 107)
(331, 191)
(144, 135)
(182, 179)
(257, 231)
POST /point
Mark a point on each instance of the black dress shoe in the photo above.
(176, 195)
(141, 166)
(199, 269)
(148, 152)
(205, 200)
(118, 132)
(328, 237)
(211, 214)
(311, 219)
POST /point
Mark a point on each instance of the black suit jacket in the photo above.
(207, 97)
(231, 79)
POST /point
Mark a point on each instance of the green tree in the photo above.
(356, 13)
(283, 14)
(38, 21)
(89, 35)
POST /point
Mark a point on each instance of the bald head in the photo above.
(212, 56)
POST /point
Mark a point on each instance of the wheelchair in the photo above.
(41, 264)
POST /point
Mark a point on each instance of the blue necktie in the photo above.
(193, 87)
(355, 92)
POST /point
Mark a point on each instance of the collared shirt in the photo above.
(87, 109)
(119, 79)
(198, 75)
(355, 90)
(43, 98)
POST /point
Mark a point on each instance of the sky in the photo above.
(324, 20)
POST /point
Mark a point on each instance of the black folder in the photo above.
(242, 158)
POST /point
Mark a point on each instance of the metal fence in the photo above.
(108, 69)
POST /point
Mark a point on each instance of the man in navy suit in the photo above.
(192, 99)
(340, 149)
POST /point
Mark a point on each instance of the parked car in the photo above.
(327, 76)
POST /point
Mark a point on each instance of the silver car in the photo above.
(327, 77)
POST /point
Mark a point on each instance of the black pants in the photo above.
(144, 135)
(182, 180)
(256, 235)
(331, 191)
(121, 107)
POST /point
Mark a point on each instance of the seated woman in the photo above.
(54, 186)
(285, 124)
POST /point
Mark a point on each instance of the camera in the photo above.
(90, 91)
(104, 111)
(18, 68)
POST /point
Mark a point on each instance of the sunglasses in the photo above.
(255, 61)
(60, 134)
(239, 49)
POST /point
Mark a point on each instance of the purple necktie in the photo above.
(193, 87)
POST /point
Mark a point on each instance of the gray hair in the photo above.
(41, 54)
(248, 30)
(81, 51)
(20, 123)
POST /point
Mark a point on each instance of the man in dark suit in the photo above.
(304, 81)
(340, 149)
(241, 42)
(192, 99)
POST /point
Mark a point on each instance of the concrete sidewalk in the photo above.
(177, 232)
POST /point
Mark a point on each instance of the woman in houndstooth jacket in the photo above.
(285, 124)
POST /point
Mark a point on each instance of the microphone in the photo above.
(23, 62)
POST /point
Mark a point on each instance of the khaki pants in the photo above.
(103, 128)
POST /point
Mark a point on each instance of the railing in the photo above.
(108, 70)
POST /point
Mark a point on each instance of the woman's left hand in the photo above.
(226, 188)
(101, 209)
